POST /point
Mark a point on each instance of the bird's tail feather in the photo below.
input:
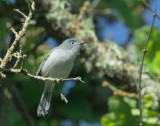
(44, 104)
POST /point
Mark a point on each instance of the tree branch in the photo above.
(141, 67)
(147, 5)
(19, 55)
(25, 72)
(63, 98)
(119, 92)
(18, 35)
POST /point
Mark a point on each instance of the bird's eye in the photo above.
(72, 42)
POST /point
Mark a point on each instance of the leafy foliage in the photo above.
(90, 101)
(124, 111)
(120, 112)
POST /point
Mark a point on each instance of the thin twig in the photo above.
(119, 92)
(77, 23)
(18, 11)
(25, 72)
(147, 5)
(63, 98)
(83, 10)
(18, 35)
(141, 67)
(18, 57)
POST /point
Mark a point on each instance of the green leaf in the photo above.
(148, 99)
(120, 113)
(110, 120)
(117, 105)
(153, 113)
(135, 112)
(131, 102)
(140, 35)
(151, 120)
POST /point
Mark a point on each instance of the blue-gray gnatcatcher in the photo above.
(57, 64)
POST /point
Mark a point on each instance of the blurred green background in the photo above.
(126, 23)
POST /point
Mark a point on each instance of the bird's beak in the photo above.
(83, 43)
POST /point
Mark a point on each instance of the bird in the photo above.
(58, 63)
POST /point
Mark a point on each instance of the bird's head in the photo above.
(72, 45)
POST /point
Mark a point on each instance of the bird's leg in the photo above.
(60, 80)
(46, 74)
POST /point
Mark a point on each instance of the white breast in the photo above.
(59, 64)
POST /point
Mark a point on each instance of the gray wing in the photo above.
(43, 62)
